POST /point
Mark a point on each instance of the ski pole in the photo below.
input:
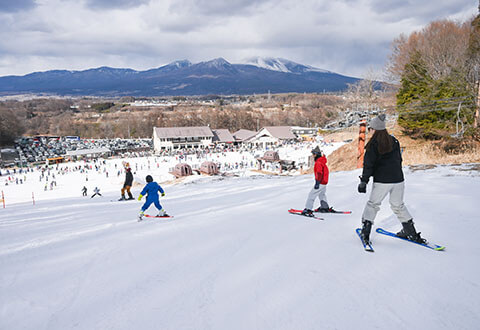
(3, 199)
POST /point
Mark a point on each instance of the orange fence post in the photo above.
(476, 118)
(361, 143)
(3, 199)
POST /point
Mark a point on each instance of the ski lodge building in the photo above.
(273, 135)
(169, 138)
(243, 136)
(223, 137)
(305, 133)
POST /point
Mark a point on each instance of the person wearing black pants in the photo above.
(128, 184)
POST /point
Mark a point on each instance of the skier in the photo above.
(319, 190)
(383, 161)
(84, 191)
(151, 189)
(128, 183)
(96, 192)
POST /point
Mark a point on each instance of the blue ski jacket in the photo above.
(152, 189)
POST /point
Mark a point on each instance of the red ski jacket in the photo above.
(321, 170)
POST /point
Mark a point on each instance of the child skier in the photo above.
(320, 188)
(151, 189)
(96, 192)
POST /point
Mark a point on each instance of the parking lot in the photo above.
(33, 150)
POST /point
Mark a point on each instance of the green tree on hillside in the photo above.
(434, 79)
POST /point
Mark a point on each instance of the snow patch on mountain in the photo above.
(216, 63)
(281, 65)
(180, 64)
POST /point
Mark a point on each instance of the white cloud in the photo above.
(348, 36)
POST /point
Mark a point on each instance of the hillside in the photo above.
(414, 152)
(233, 258)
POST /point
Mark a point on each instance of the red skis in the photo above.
(299, 212)
(330, 210)
(154, 216)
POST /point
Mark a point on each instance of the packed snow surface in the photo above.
(233, 258)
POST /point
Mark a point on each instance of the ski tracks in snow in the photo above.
(51, 239)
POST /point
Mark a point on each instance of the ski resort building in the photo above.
(243, 136)
(222, 136)
(88, 153)
(169, 138)
(181, 170)
(305, 133)
(273, 135)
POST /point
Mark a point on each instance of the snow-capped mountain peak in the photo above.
(181, 63)
(216, 63)
(280, 64)
(269, 63)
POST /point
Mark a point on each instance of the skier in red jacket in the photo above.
(320, 188)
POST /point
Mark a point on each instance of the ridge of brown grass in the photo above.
(414, 152)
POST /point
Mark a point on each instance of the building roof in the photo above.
(179, 132)
(222, 135)
(243, 134)
(299, 128)
(280, 132)
(87, 151)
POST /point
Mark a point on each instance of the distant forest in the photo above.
(94, 118)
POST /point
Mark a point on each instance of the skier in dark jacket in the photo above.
(383, 161)
(127, 184)
(152, 189)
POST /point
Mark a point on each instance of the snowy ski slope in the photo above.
(233, 258)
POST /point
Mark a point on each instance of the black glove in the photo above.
(317, 184)
(362, 187)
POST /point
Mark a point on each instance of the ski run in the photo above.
(233, 258)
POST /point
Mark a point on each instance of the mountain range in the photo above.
(218, 76)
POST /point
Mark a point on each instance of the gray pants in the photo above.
(378, 194)
(319, 193)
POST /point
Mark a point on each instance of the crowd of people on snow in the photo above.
(50, 175)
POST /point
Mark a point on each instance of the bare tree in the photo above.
(442, 45)
(364, 91)
(10, 126)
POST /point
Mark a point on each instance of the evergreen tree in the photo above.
(428, 107)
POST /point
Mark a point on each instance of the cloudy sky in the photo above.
(351, 37)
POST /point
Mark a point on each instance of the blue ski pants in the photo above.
(149, 202)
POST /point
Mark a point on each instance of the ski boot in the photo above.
(122, 198)
(130, 196)
(409, 232)
(325, 210)
(307, 212)
(365, 233)
(162, 214)
(140, 216)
